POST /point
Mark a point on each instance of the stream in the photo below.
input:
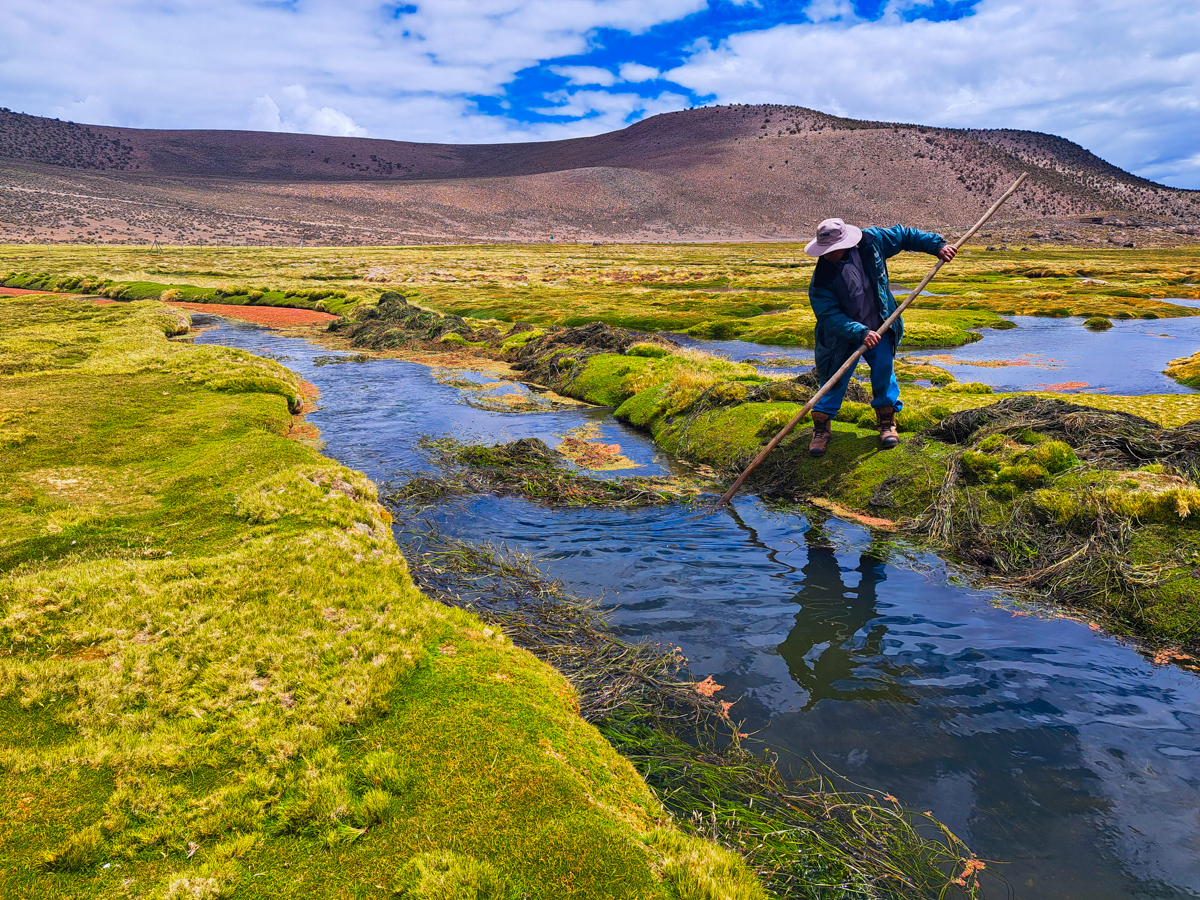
(1049, 747)
(1038, 354)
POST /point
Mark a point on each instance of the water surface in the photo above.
(1040, 742)
(1041, 353)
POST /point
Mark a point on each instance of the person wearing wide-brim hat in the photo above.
(851, 297)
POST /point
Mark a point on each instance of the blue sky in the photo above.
(1120, 78)
(661, 48)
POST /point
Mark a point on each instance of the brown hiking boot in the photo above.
(885, 417)
(822, 432)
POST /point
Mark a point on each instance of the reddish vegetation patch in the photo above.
(261, 315)
(103, 301)
(302, 431)
(17, 292)
(1063, 386)
(308, 396)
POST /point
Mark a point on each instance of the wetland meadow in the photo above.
(432, 576)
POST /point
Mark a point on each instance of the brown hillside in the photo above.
(721, 173)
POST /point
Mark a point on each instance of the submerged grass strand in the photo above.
(805, 838)
(529, 468)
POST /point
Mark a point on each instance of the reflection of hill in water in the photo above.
(719, 173)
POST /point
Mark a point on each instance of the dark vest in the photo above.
(829, 275)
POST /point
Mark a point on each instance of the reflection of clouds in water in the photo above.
(1152, 821)
(1128, 358)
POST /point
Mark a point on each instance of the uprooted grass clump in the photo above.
(217, 678)
(529, 468)
(396, 324)
(1090, 507)
(804, 838)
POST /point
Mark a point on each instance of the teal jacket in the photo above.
(837, 334)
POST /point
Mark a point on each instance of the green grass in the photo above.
(1186, 370)
(217, 677)
(755, 292)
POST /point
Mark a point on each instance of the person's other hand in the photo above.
(871, 339)
(947, 253)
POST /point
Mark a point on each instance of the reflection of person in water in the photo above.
(820, 651)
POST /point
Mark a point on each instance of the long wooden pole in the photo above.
(849, 364)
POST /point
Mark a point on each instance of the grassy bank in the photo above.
(320, 299)
(755, 292)
(1088, 503)
(218, 679)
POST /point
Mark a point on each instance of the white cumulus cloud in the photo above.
(298, 115)
(632, 71)
(586, 75)
(364, 67)
(1121, 79)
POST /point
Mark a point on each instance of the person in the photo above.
(851, 297)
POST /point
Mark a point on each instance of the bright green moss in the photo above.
(1053, 456)
(979, 467)
(650, 351)
(854, 412)
(968, 387)
(1022, 474)
(606, 379)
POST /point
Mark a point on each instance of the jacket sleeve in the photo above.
(900, 237)
(838, 326)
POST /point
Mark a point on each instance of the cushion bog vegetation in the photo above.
(217, 678)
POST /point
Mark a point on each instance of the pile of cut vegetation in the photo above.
(529, 468)
(1090, 506)
(396, 324)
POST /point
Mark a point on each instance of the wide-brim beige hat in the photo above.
(833, 234)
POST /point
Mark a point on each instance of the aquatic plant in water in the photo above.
(804, 837)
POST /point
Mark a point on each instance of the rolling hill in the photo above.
(707, 174)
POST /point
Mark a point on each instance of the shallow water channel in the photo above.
(1039, 354)
(1043, 744)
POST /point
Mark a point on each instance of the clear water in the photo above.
(1042, 743)
(1128, 358)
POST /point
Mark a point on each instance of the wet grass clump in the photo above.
(1186, 370)
(528, 468)
(1089, 507)
(803, 837)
